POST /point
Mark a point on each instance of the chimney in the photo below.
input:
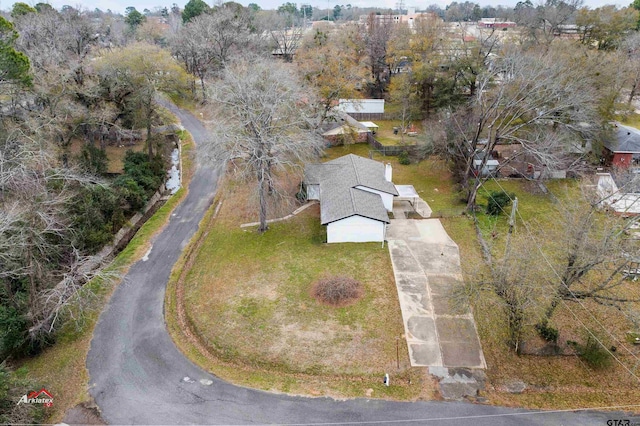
(388, 172)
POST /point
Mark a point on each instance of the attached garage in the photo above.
(355, 229)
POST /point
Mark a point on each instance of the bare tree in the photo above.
(513, 278)
(630, 46)
(267, 126)
(536, 99)
(376, 35)
(544, 22)
(595, 250)
(206, 43)
(36, 233)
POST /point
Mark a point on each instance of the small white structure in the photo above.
(489, 167)
(626, 204)
(355, 194)
(373, 127)
(362, 109)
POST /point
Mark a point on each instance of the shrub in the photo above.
(497, 202)
(301, 195)
(93, 160)
(593, 353)
(547, 332)
(337, 291)
(403, 158)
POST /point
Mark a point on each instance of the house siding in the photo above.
(622, 159)
(387, 199)
(355, 229)
(337, 140)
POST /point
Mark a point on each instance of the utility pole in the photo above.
(512, 218)
(512, 224)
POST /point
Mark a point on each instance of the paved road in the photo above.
(139, 377)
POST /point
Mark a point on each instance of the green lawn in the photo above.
(254, 311)
(385, 135)
(632, 119)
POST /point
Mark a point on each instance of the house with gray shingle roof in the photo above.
(355, 195)
(624, 149)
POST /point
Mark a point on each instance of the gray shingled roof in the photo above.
(358, 170)
(340, 204)
(627, 139)
(338, 180)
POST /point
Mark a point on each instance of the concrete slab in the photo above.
(426, 265)
(421, 328)
(455, 329)
(458, 354)
(425, 354)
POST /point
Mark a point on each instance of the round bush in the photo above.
(337, 291)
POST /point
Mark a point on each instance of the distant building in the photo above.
(409, 19)
(362, 109)
(495, 23)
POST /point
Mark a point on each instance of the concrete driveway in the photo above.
(426, 265)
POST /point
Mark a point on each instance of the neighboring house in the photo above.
(355, 196)
(345, 129)
(624, 150)
(490, 166)
(362, 109)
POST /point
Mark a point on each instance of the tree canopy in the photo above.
(14, 65)
(194, 8)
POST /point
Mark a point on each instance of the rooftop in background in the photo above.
(627, 139)
(361, 106)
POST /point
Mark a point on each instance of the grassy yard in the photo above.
(61, 368)
(385, 135)
(560, 381)
(553, 382)
(252, 307)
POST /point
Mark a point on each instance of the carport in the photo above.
(407, 193)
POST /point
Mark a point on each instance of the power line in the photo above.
(526, 226)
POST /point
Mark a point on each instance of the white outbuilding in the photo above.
(355, 195)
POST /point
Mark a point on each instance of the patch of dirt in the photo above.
(83, 414)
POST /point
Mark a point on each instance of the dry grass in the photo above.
(115, 154)
(258, 292)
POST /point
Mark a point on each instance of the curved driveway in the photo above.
(139, 377)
